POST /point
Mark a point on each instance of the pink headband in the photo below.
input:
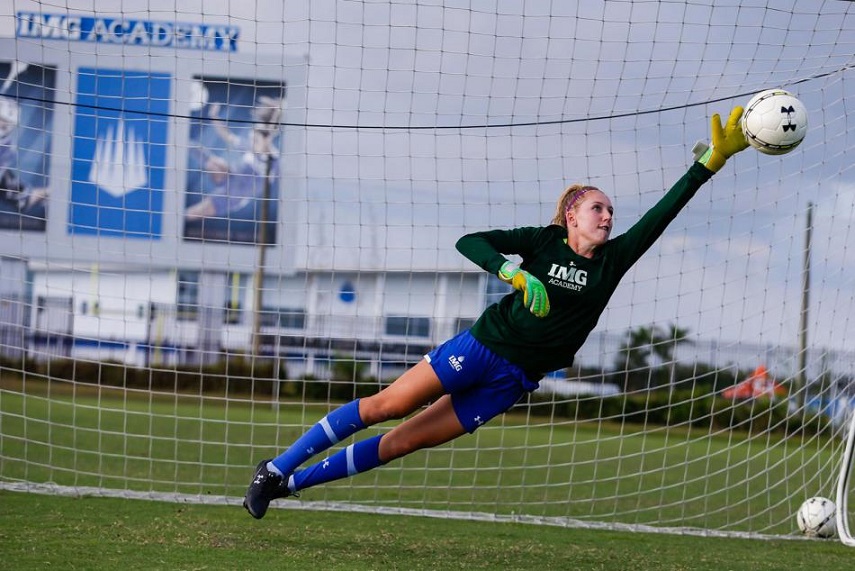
(582, 191)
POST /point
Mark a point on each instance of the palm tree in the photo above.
(664, 349)
(635, 351)
(643, 342)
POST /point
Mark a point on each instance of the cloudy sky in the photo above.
(532, 96)
(426, 120)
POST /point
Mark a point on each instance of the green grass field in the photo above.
(45, 532)
(84, 436)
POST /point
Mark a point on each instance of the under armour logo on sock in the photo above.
(326, 463)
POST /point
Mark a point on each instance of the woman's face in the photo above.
(591, 218)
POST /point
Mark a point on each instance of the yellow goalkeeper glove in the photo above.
(534, 292)
(726, 141)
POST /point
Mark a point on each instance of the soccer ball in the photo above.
(774, 122)
(817, 517)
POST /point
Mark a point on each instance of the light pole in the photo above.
(801, 378)
(258, 277)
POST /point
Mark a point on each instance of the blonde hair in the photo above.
(569, 199)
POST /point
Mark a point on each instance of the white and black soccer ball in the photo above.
(775, 122)
(817, 517)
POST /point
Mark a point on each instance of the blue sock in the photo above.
(358, 457)
(334, 427)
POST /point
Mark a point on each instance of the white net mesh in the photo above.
(218, 221)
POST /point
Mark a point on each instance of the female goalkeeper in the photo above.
(569, 271)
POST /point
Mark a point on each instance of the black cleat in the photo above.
(265, 487)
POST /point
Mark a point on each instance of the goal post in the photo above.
(217, 225)
(844, 487)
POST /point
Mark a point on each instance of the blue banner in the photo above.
(233, 170)
(119, 153)
(26, 131)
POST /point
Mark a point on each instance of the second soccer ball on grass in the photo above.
(817, 517)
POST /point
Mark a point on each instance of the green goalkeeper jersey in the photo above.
(578, 287)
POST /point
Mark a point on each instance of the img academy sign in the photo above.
(571, 278)
(211, 37)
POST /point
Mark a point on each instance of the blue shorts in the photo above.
(482, 385)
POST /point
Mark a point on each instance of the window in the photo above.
(84, 307)
(235, 293)
(496, 290)
(283, 318)
(187, 306)
(464, 323)
(232, 313)
(408, 326)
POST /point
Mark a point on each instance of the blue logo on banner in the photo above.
(119, 153)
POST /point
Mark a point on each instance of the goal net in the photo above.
(218, 221)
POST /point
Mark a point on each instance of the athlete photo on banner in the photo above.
(26, 125)
(232, 187)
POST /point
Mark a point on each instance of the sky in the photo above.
(423, 121)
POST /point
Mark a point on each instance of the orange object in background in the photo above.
(760, 384)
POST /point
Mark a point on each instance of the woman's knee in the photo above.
(378, 408)
(395, 445)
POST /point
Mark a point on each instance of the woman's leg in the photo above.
(433, 426)
(416, 387)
